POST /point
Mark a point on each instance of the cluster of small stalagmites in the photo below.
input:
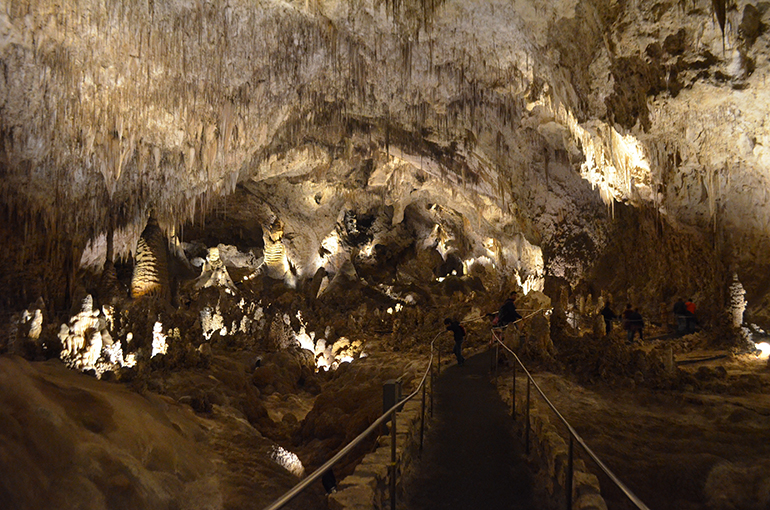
(24, 335)
(86, 342)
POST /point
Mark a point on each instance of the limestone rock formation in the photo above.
(365, 168)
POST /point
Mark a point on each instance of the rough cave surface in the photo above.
(226, 223)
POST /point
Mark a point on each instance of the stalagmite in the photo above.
(150, 276)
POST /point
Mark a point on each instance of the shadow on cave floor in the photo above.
(470, 457)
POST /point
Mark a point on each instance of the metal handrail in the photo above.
(573, 433)
(318, 473)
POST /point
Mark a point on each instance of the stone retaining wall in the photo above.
(550, 451)
(368, 486)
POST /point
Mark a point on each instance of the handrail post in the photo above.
(513, 392)
(432, 387)
(438, 349)
(570, 468)
(393, 461)
(494, 339)
(497, 358)
(422, 416)
(526, 434)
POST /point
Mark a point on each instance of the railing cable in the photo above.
(573, 433)
(318, 473)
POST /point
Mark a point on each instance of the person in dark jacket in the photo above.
(680, 314)
(633, 322)
(459, 334)
(609, 316)
(637, 325)
(508, 312)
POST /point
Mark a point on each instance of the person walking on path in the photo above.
(508, 312)
(633, 322)
(459, 335)
(609, 316)
(472, 457)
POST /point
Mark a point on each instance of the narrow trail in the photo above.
(470, 458)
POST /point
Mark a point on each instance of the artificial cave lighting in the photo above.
(324, 358)
(159, 345)
(275, 260)
(287, 460)
(764, 350)
(440, 279)
(305, 340)
(114, 355)
(482, 261)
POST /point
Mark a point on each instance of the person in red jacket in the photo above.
(692, 322)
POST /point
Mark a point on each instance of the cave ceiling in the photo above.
(519, 124)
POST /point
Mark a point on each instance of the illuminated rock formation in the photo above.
(150, 275)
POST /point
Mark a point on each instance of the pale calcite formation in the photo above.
(529, 119)
(86, 342)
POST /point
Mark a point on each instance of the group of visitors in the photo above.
(633, 322)
(508, 314)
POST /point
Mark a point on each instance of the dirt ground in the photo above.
(704, 446)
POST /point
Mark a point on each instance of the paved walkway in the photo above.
(470, 458)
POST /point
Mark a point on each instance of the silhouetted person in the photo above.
(459, 334)
(680, 313)
(633, 323)
(508, 312)
(609, 316)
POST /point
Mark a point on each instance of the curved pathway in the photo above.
(470, 458)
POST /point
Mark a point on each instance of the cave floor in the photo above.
(471, 458)
(690, 449)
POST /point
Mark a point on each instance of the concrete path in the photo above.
(470, 458)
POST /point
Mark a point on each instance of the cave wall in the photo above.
(531, 119)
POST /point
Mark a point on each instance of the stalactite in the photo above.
(719, 8)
